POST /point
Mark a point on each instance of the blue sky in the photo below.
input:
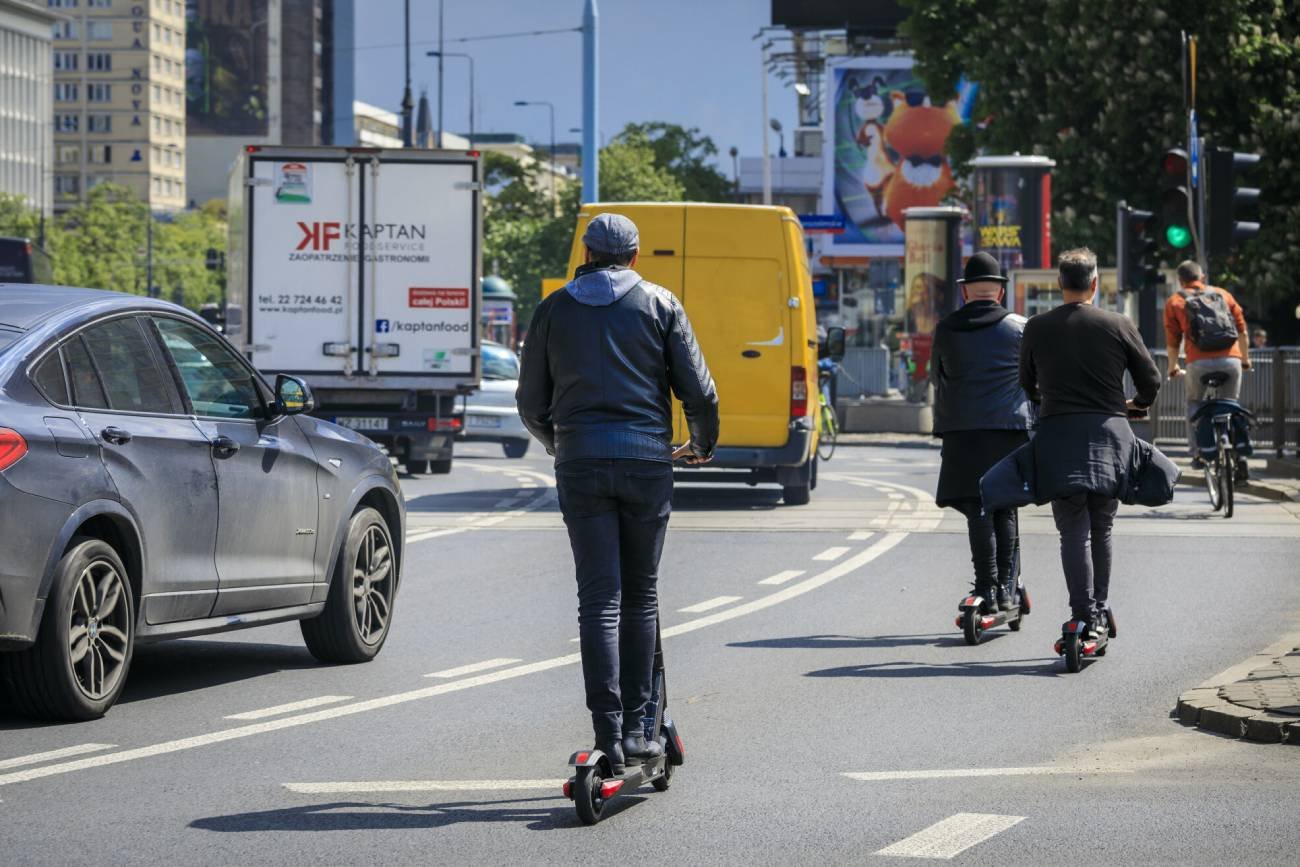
(690, 62)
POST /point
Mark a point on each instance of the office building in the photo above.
(119, 99)
(26, 88)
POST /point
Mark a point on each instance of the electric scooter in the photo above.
(973, 623)
(1075, 645)
(594, 784)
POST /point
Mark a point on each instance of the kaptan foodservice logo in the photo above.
(430, 298)
(321, 235)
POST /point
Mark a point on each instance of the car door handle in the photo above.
(224, 446)
(116, 436)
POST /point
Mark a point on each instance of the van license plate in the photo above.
(363, 422)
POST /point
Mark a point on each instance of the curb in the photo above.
(1205, 708)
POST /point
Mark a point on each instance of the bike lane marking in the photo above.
(51, 755)
(709, 604)
(844, 567)
(952, 836)
(473, 668)
(292, 706)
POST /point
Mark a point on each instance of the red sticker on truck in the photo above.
(438, 298)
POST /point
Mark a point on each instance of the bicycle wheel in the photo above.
(1227, 472)
(1213, 470)
(827, 433)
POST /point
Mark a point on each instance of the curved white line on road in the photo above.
(886, 543)
(484, 520)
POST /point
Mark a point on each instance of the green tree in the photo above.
(630, 171)
(687, 155)
(1097, 87)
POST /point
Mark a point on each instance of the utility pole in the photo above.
(438, 144)
(590, 109)
(407, 137)
(767, 149)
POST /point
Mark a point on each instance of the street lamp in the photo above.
(735, 170)
(776, 128)
(550, 157)
(471, 85)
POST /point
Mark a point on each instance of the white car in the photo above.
(490, 413)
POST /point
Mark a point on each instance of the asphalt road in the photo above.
(804, 645)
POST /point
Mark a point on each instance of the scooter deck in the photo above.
(997, 618)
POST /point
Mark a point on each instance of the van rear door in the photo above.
(735, 283)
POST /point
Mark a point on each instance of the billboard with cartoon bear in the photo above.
(888, 141)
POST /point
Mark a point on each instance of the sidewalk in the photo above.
(1258, 699)
(889, 440)
(1270, 479)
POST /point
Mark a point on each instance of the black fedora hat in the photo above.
(982, 268)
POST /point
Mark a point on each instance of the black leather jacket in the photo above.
(597, 366)
(975, 366)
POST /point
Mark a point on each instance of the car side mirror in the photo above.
(292, 395)
(835, 343)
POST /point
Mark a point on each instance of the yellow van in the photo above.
(742, 275)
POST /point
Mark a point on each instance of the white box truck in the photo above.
(358, 269)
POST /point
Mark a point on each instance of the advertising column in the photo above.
(1013, 212)
(932, 241)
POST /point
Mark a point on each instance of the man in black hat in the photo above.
(982, 415)
(601, 359)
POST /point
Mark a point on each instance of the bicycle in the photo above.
(1222, 455)
(827, 425)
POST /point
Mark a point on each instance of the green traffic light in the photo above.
(1178, 236)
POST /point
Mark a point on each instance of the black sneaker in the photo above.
(613, 750)
(1007, 595)
(635, 746)
(1198, 462)
(990, 596)
(1243, 470)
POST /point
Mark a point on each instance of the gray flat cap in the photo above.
(614, 234)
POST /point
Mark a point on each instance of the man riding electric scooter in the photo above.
(602, 360)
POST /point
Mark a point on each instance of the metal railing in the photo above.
(1270, 390)
(864, 370)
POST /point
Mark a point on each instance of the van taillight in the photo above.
(12, 447)
(798, 392)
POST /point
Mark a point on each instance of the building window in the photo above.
(157, 186)
(67, 154)
(67, 185)
(63, 4)
(65, 91)
(67, 122)
(101, 154)
(93, 181)
(100, 122)
(157, 93)
(99, 61)
(99, 92)
(99, 29)
(157, 125)
(98, 4)
(65, 61)
(65, 30)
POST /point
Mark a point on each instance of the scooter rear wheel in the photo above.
(1073, 650)
(970, 625)
(586, 795)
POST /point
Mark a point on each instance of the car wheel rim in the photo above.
(372, 582)
(99, 634)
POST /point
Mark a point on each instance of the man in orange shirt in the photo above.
(1217, 340)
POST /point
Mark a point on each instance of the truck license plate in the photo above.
(486, 421)
(363, 422)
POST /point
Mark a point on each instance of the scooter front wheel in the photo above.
(586, 795)
(662, 783)
(1073, 650)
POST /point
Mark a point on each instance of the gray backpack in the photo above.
(1209, 321)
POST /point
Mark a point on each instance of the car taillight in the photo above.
(12, 447)
(798, 392)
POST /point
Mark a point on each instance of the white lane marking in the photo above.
(832, 553)
(709, 604)
(528, 484)
(421, 786)
(474, 667)
(952, 836)
(839, 570)
(951, 773)
(895, 495)
(782, 577)
(292, 706)
(861, 536)
(484, 520)
(51, 755)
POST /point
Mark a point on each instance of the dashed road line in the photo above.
(832, 553)
(861, 536)
(51, 755)
(709, 604)
(952, 836)
(473, 668)
(953, 773)
(291, 707)
(422, 786)
(782, 577)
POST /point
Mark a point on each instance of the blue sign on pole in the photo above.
(825, 224)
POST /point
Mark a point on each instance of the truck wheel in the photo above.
(78, 665)
(440, 468)
(515, 448)
(797, 495)
(416, 468)
(358, 610)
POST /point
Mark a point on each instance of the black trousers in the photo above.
(617, 515)
(1084, 522)
(994, 543)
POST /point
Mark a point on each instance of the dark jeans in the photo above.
(994, 543)
(617, 515)
(1084, 521)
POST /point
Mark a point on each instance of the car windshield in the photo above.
(7, 336)
(499, 363)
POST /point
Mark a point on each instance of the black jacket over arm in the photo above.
(599, 362)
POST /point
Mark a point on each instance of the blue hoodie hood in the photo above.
(603, 286)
